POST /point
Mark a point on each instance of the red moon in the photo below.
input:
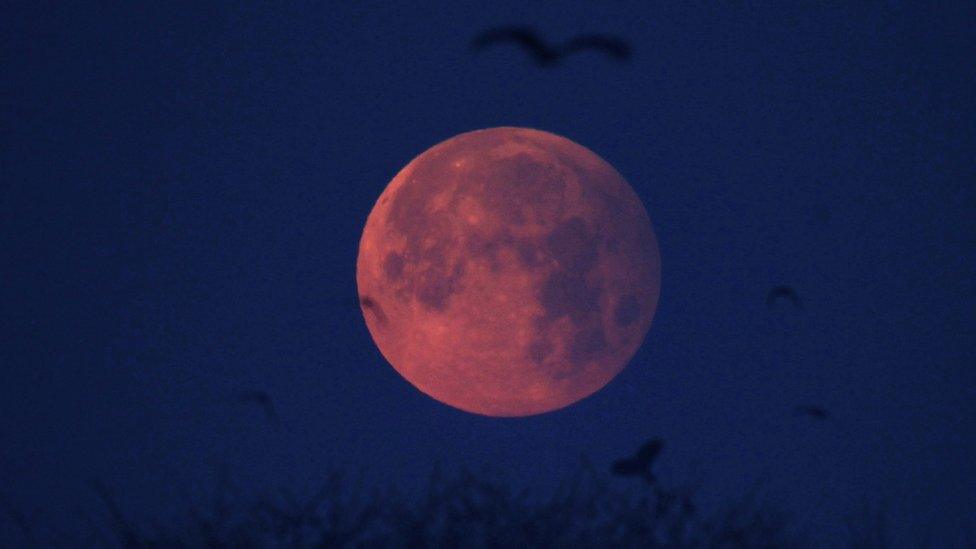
(508, 272)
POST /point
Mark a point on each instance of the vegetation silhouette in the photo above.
(464, 509)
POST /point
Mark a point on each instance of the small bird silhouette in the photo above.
(783, 292)
(639, 465)
(547, 55)
(368, 303)
(262, 399)
(816, 412)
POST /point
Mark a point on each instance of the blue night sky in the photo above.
(183, 189)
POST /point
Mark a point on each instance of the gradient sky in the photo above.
(182, 191)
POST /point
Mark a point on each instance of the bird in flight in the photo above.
(783, 292)
(816, 412)
(546, 54)
(639, 465)
(368, 303)
(262, 399)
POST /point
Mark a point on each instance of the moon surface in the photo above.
(508, 272)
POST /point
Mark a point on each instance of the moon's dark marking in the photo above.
(520, 187)
(486, 248)
(562, 370)
(539, 350)
(429, 272)
(566, 293)
(573, 245)
(628, 310)
(393, 266)
(437, 280)
(588, 344)
(528, 253)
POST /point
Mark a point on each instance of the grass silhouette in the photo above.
(465, 509)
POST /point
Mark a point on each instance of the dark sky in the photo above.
(183, 188)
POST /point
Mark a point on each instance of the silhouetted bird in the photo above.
(816, 412)
(368, 303)
(783, 292)
(547, 55)
(263, 400)
(639, 465)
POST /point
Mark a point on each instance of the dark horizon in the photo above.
(184, 189)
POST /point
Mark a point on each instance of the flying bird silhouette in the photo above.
(639, 465)
(816, 412)
(783, 292)
(262, 399)
(547, 55)
(368, 303)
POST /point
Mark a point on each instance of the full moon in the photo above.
(508, 272)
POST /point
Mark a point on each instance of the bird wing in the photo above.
(610, 45)
(649, 451)
(812, 411)
(525, 37)
(783, 292)
(263, 400)
(368, 303)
